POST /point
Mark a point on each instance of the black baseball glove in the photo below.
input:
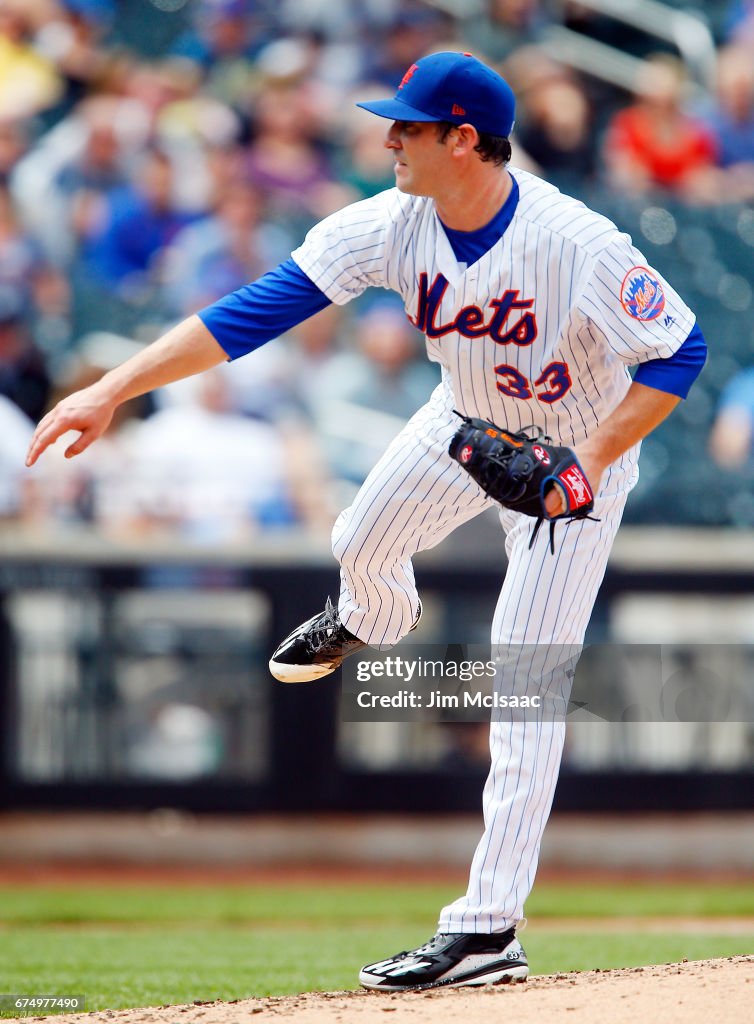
(519, 471)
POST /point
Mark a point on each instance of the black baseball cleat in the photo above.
(317, 647)
(451, 960)
(314, 649)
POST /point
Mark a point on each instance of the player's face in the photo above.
(419, 156)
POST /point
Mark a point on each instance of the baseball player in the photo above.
(535, 308)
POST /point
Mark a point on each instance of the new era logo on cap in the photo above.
(452, 87)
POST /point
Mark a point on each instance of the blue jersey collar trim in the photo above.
(470, 246)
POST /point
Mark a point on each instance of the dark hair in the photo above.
(490, 147)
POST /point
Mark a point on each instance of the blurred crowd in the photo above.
(137, 188)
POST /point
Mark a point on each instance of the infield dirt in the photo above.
(692, 993)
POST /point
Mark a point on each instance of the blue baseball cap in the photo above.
(453, 87)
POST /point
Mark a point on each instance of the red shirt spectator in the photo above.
(666, 157)
(655, 143)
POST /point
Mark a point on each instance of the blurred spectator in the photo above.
(334, 58)
(291, 379)
(71, 39)
(267, 387)
(364, 164)
(188, 114)
(212, 474)
(141, 220)
(298, 66)
(395, 379)
(294, 380)
(225, 38)
(157, 84)
(21, 260)
(84, 184)
(387, 388)
(655, 144)
(324, 364)
(731, 122)
(556, 130)
(732, 436)
(303, 62)
(63, 184)
(224, 251)
(32, 296)
(225, 165)
(29, 82)
(16, 430)
(24, 379)
(505, 26)
(285, 162)
(186, 124)
(412, 31)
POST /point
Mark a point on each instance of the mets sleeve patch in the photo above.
(641, 294)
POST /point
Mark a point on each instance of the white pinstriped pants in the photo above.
(414, 497)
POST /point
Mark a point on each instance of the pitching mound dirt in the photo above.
(692, 993)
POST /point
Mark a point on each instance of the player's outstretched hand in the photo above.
(85, 411)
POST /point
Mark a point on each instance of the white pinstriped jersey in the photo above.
(540, 330)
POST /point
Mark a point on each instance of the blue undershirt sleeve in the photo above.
(263, 310)
(676, 374)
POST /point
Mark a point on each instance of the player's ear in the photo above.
(466, 138)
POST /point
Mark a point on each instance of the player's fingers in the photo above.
(81, 443)
(555, 502)
(47, 432)
(59, 421)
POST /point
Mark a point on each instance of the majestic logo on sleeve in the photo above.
(510, 321)
(641, 294)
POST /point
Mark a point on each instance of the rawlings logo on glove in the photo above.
(520, 471)
(576, 484)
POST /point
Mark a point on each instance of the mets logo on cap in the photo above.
(641, 294)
